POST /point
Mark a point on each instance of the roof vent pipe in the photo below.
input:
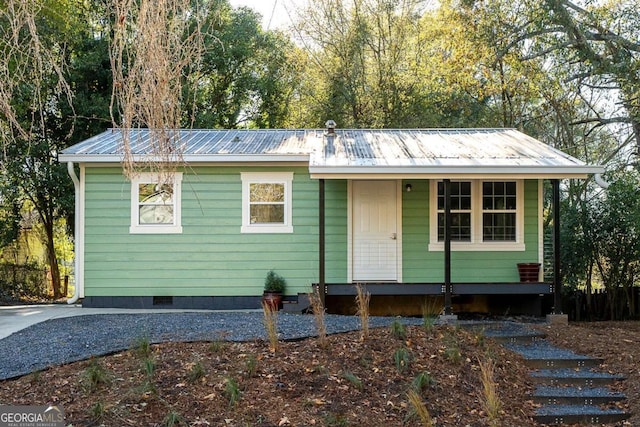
(329, 149)
(331, 127)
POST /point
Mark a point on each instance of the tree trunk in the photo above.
(52, 260)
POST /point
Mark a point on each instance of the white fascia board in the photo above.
(525, 172)
(189, 158)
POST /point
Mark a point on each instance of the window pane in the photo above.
(460, 227)
(460, 196)
(156, 214)
(499, 227)
(267, 214)
(154, 193)
(499, 196)
(266, 192)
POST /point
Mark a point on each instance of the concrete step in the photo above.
(574, 377)
(578, 414)
(549, 395)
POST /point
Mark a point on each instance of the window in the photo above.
(499, 203)
(266, 202)
(460, 211)
(155, 204)
(485, 215)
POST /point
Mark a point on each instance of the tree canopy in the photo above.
(565, 72)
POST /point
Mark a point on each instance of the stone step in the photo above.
(576, 395)
(574, 377)
(576, 414)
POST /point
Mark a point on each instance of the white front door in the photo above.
(375, 233)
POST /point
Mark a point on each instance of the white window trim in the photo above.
(151, 178)
(477, 244)
(285, 178)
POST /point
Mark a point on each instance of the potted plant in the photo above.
(274, 287)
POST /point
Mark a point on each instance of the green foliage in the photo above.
(398, 330)
(231, 391)
(95, 375)
(402, 359)
(247, 76)
(97, 411)
(174, 419)
(196, 372)
(422, 381)
(353, 379)
(251, 365)
(142, 347)
(274, 282)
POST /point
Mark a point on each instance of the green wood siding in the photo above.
(421, 265)
(211, 256)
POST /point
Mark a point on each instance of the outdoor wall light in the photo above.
(408, 188)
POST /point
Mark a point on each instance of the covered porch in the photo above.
(442, 161)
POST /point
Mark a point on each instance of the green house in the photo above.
(442, 213)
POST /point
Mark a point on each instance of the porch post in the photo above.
(557, 283)
(447, 247)
(321, 242)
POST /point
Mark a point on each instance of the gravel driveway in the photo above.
(64, 340)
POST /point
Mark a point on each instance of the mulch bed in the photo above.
(348, 382)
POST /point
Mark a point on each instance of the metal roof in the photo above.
(350, 151)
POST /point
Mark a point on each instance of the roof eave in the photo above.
(189, 158)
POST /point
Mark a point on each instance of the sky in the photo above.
(278, 17)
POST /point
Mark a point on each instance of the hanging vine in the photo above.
(155, 45)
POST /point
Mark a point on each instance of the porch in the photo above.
(410, 299)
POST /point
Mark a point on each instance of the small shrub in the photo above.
(174, 419)
(251, 365)
(452, 354)
(362, 309)
(398, 330)
(196, 372)
(335, 420)
(142, 347)
(419, 408)
(270, 321)
(217, 345)
(231, 391)
(274, 282)
(422, 381)
(431, 309)
(353, 379)
(402, 359)
(95, 375)
(149, 367)
(97, 411)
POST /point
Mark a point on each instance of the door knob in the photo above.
(393, 236)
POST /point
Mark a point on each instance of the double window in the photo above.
(155, 203)
(266, 202)
(484, 215)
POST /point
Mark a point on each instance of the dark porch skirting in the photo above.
(529, 298)
(382, 288)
